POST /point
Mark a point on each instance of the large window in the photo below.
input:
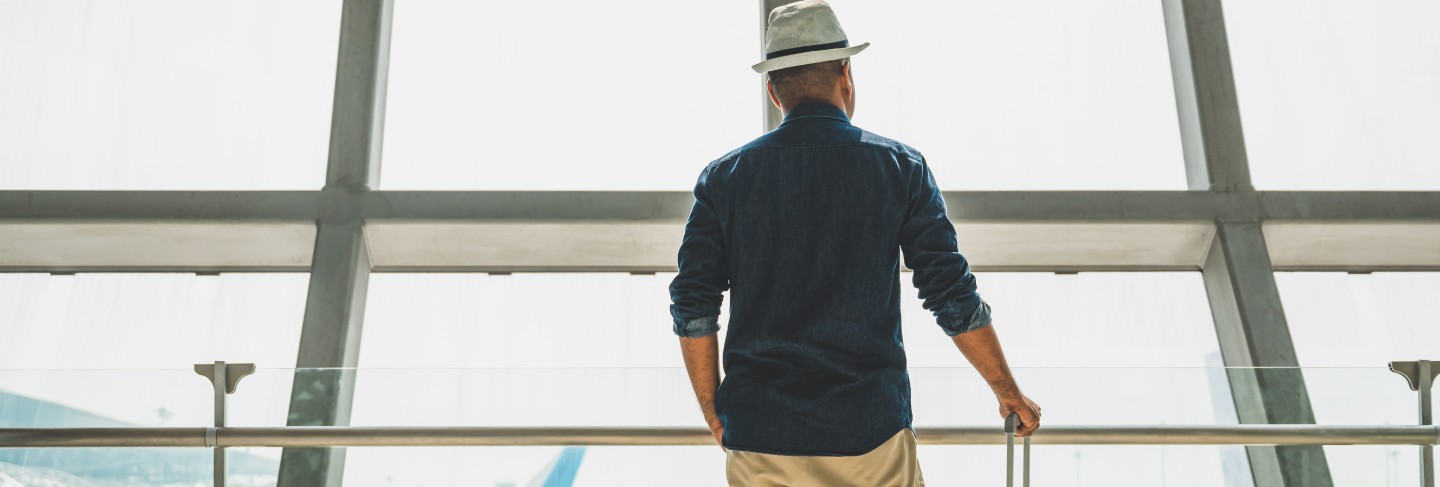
(1361, 320)
(1044, 94)
(597, 96)
(997, 95)
(89, 342)
(1339, 94)
(116, 350)
(165, 94)
(149, 321)
(1090, 319)
(597, 350)
(1346, 327)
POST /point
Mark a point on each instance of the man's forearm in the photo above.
(702, 362)
(982, 348)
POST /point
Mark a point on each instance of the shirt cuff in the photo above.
(979, 318)
(698, 327)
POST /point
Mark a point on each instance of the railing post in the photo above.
(1012, 423)
(224, 378)
(1421, 376)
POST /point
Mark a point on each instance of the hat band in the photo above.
(798, 50)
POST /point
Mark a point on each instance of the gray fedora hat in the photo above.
(804, 32)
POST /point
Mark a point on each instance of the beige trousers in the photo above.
(892, 464)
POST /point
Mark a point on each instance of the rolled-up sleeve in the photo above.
(941, 273)
(695, 293)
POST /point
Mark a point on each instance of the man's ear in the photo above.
(770, 88)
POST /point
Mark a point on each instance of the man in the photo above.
(802, 226)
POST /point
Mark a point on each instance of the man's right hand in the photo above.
(1028, 411)
(982, 348)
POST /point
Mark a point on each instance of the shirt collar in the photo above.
(815, 109)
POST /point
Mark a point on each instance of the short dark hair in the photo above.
(807, 81)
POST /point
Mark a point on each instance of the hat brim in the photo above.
(811, 57)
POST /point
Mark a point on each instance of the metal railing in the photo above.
(224, 377)
(366, 436)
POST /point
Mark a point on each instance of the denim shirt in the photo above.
(801, 226)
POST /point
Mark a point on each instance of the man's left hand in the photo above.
(719, 431)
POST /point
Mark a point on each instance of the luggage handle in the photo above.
(1011, 422)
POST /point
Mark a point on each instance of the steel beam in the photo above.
(1250, 324)
(183, 207)
(357, 119)
(29, 206)
(1237, 270)
(621, 246)
(457, 231)
(157, 246)
(1210, 132)
(324, 385)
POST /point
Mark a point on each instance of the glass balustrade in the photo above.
(661, 397)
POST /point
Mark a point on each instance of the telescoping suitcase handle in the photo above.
(1011, 422)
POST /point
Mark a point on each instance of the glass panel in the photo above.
(1372, 395)
(165, 94)
(104, 326)
(130, 467)
(639, 101)
(520, 320)
(1044, 94)
(527, 334)
(252, 467)
(646, 396)
(160, 320)
(1077, 396)
(1370, 465)
(1135, 319)
(135, 398)
(1118, 466)
(1339, 94)
(1090, 319)
(526, 466)
(661, 397)
(1362, 320)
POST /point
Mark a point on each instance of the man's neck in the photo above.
(835, 103)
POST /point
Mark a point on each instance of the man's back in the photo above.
(802, 226)
(809, 218)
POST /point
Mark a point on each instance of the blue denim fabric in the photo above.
(802, 226)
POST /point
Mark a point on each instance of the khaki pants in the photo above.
(892, 464)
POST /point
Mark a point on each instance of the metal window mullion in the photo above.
(357, 119)
(1206, 103)
(323, 393)
(1252, 331)
(1239, 277)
